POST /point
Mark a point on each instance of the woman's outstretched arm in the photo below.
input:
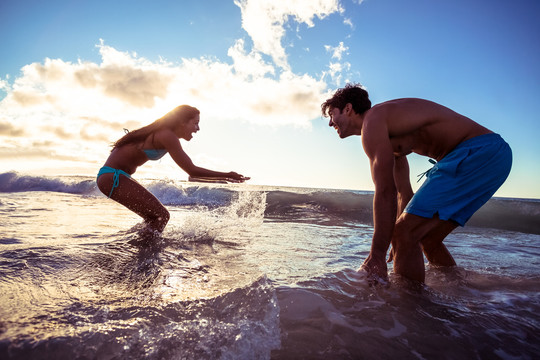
(173, 146)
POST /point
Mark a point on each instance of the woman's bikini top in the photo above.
(154, 154)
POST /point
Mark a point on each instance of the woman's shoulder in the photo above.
(164, 134)
(166, 138)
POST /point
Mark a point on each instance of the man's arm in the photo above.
(403, 183)
(378, 148)
(404, 189)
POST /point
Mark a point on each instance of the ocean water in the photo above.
(252, 272)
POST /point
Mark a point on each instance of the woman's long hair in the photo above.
(180, 114)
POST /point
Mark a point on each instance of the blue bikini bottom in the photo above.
(116, 176)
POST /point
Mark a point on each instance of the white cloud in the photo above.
(249, 66)
(336, 72)
(85, 105)
(337, 69)
(4, 84)
(337, 52)
(71, 111)
(264, 21)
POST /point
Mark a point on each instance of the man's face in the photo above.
(337, 121)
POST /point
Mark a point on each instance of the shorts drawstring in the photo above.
(427, 172)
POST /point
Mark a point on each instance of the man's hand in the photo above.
(390, 255)
(375, 266)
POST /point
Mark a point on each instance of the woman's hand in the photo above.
(233, 176)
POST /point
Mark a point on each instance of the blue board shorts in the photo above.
(464, 180)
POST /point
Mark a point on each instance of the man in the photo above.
(472, 163)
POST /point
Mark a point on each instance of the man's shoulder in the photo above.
(404, 102)
(385, 107)
(406, 107)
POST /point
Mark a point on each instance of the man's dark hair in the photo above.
(352, 93)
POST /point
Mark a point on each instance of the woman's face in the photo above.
(186, 130)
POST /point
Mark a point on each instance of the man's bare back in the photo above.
(423, 127)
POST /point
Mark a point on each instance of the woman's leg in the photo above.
(136, 198)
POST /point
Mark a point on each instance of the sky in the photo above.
(74, 74)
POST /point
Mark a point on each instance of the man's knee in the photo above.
(403, 237)
(410, 230)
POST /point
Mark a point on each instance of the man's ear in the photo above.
(348, 108)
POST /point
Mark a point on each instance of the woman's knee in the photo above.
(159, 214)
(165, 216)
(158, 220)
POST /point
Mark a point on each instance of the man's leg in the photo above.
(411, 234)
(433, 247)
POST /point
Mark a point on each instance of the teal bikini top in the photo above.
(155, 154)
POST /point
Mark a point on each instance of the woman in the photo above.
(152, 142)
